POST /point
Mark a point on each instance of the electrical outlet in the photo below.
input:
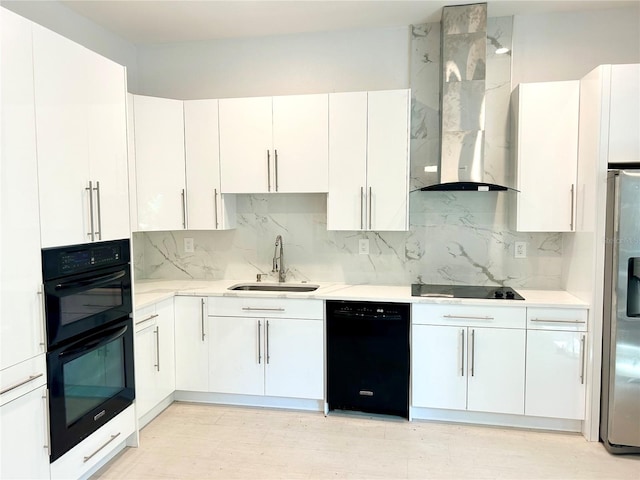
(520, 250)
(188, 245)
(363, 246)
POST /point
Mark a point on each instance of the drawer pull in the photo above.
(150, 317)
(468, 317)
(89, 457)
(19, 384)
(555, 320)
(260, 309)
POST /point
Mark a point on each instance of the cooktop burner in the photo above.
(464, 291)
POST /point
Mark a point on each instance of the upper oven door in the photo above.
(80, 303)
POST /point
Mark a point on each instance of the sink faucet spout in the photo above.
(278, 260)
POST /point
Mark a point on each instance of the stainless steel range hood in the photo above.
(462, 100)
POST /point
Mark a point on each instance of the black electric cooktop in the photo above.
(464, 291)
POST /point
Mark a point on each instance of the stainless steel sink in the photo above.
(275, 287)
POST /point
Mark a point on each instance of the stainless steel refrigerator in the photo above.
(620, 401)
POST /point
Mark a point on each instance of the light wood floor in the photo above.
(189, 441)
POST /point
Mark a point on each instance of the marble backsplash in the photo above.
(454, 237)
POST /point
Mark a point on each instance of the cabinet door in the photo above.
(496, 370)
(388, 160)
(160, 183)
(347, 161)
(624, 114)
(165, 342)
(438, 367)
(107, 130)
(192, 344)
(60, 87)
(21, 327)
(246, 154)
(555, 376)
(546, 145)
(301, 143)
(145, 367)
(237, 355)
(294, 358)
(24, 436)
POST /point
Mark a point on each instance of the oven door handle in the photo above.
(94, 281)
(94, 342)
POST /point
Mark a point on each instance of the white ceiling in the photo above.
(171, 21)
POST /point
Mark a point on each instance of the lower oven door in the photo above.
(90, 381)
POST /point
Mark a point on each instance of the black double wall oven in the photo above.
(90, 365)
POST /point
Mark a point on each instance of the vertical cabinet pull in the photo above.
(462, 352)
(370, 227)
(582, 358)
(157, 332)
(275, 154)
(259, 342)
(215, 206)
(473, 352)
(47, 435)
(184, 209)
(202, 317)
(268, 171)
(571, 223)
(361, 208)
(42, 317)
(267, 347)
(92, 233)
(99, 232)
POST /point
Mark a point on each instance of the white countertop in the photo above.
(147, 292)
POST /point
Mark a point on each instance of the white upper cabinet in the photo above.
(159, 157)
(81, 139)
(545, 144)
(624, 114)
(207, 208)
(274, 144)
(368, 161)
(21, 308)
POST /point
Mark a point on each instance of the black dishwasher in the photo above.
(368, 357)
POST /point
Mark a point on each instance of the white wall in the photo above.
(371, 59)
(566, 46)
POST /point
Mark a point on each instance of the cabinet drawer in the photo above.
(19, 379)
(145, 317)
(469, 315)
(570, 319)
(97, 446)
(266, 307)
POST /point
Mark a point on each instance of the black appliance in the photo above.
(464, 291)
(90, 357)
(368, 357)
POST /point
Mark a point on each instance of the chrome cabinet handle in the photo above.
(268, 171)
(275, 154)
(19, 384)
(554, 320)
(215, 206)
(468, 317)
(157, 332)
(99, 232)
(571, 225)
(370, 195)
(202, 317)
(361, 208)
(47, 427)
(92, 233)
(473, 352)
(42, 317)
(150, 317)
(582, 358)
(259, 342)
(267, 347)
(184, 210)
(111, 439)
(263, 309)
(462, 352)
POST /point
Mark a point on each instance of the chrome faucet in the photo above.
(278, 260)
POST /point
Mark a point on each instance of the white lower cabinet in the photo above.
(556, 342)
(192, 344)
(269, 354)
(459, 365)
(154, 356)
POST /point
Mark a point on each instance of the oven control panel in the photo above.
(64, 261)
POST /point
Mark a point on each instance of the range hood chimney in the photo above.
(463, 56)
